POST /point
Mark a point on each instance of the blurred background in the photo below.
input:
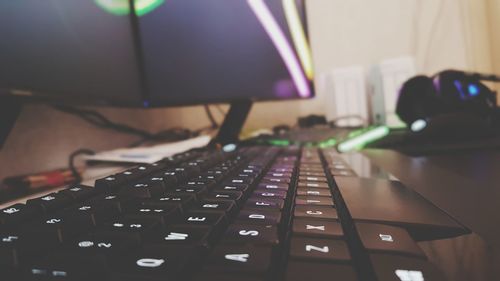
(354, 39)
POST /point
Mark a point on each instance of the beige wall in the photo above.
(494, 21)
(343, 33)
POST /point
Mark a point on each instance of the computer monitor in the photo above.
(152, 53)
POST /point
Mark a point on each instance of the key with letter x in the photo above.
(317, 228)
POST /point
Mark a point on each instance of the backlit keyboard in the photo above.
(257, 213)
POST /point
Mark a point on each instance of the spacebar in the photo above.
(390, 202)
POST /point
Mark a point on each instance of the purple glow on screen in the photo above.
(284, 88)
(282, 45)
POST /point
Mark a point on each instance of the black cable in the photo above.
(71, 164)
(101, 121)
(211, 117)
(170, 135)
(221, 111)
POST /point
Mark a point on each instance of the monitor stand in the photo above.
(10, 108)
(233, 123)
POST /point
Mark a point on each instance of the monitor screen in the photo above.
(155, 52)
(69, 50)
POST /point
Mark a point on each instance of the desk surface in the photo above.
(467, 186)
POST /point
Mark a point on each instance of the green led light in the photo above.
(356, 133)
(121, 7)
(328, 143)
(278, 142)
(363, 139)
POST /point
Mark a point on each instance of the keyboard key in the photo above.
(57, 228)
(263, 217)
(18, 248)
(244, 259)
(99, 211)
(278, 194)
(273, 186)
(214, 177)
(211, 219)
(311, 174)
(111, 201)
(313, 184)
(314, 200)
(318, 212)
(313, 179)
(317, 228)
(279, 175)
(109, 183)
(79, 192)
(196, 191)
(181, 201)
(51, 202)
(179, 235)
(319, 250)
(281, 170)
(264, 203)
(314, 192)
(183, 173)
(254, 234)
(389, 202)
(105, 242)
(384, 238)
(232, 187)
(300, 271)
(128, 175)
(167, 214)
(226, 206)
(169, 178)
(225, 195)
(63, 265)
(140, 227)
(153, 263)
(200, 183)
(397, 268)
(239, 180)
(18, 213)
(313, 169)
(275, 180)
(10, 246)
(143, 190)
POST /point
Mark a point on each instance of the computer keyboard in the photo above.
(256, 213)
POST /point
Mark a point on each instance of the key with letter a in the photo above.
(238, 258)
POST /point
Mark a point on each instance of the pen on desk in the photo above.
(41, 180)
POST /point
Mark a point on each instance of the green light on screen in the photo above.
(121, 7)
(364, 139)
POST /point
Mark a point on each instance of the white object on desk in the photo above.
(149, 154)
(386, 80)
(347, 95)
